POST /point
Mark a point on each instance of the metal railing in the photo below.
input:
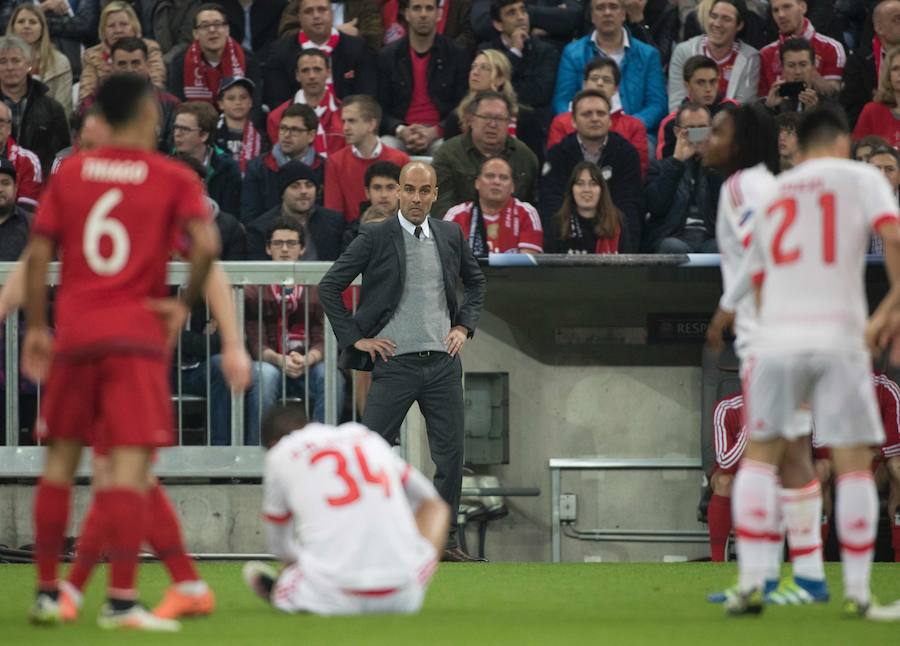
(236, 460)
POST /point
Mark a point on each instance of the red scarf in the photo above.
(328, 47)
(201, 80)
(876, 49)
(394, 30)
(251, 144)
(328, 107)
(296, 334)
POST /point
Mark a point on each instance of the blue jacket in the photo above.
(643, 87)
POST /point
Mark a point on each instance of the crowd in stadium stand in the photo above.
(563, 126)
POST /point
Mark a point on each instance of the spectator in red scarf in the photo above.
(313, 74)
(288, 343)
(495, 221)
(351, 17)
(236, 132)
(588, 221)
(213, 55)
(882, 116)
(352, 62)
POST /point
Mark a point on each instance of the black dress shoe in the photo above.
(456, 555)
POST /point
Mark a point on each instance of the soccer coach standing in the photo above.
(409, 327)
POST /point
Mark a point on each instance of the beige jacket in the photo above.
(57, 76)
(94, 69)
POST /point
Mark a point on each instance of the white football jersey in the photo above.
(809, 247)
(349, 498)
(739, 199)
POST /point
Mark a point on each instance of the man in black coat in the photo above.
(421, 57)
(325, 230)
(352, 63)
(533, 60)
(409, 326)
(264, 17)
(593, 141)
(683, 195)
(39, 122)
(556, 20)
(861, 70)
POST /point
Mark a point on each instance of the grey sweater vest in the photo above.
(422, 319)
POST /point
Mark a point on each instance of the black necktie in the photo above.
(418, 233)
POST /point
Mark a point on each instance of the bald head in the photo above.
(418, 190)
(886, 21)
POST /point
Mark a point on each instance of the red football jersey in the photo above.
(516, 227)
(830, 58)
(114, 215)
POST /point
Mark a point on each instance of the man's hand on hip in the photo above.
(383, 347)
(456, 339)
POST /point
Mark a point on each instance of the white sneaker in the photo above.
(135, 618)
(45, 611)
(261, 578)
(890, 612)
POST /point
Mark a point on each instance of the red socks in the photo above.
(164, 536)
(126, 513)
(718, 516)
(51, 517)
(91, 545)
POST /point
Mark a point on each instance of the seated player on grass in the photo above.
(358, 529)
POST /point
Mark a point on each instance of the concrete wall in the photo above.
(574, 411)
(555, 411)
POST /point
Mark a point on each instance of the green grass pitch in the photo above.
(609, 604)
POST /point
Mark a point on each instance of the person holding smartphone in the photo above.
(794, 91)
(682, 195)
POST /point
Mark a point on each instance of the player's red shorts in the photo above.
(108, 401)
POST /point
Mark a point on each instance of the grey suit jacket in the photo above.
(379, 254)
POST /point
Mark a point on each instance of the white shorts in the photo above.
(296, 592)
(838, 386)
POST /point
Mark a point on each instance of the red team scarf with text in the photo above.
(481, 240)
(201, 80)
(295, 334)
(251, 144)
(394, 30)
(325, 111)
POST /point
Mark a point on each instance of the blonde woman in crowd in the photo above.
(491, 70)
(48, 64)
(117, 20)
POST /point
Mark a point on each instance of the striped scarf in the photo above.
(251, 144)
(327, 107)
(201, 80)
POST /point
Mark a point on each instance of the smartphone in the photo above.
(794, 88)
(698, 135)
